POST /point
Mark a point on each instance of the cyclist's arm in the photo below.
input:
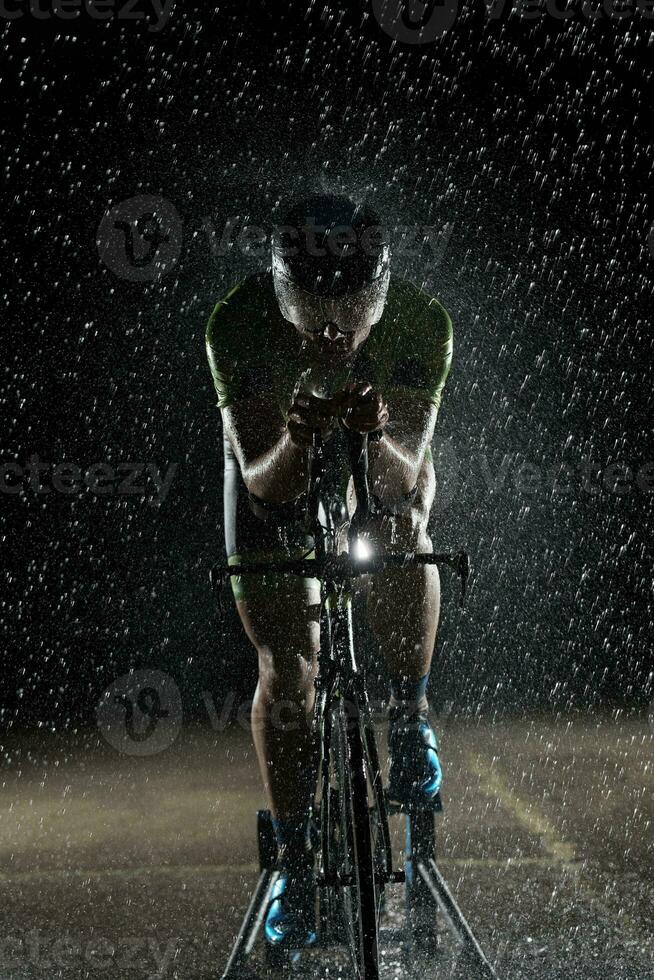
(396, 459)
(413, 398)
(272, 466)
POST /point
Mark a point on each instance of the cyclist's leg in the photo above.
(403, 604)
(283, 627)
(280, 615)
(403, 611)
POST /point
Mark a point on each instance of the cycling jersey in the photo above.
(252, 349)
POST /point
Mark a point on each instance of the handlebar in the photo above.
(342, 568)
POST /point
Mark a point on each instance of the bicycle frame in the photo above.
(340, 679)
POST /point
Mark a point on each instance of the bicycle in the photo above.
(350, 827)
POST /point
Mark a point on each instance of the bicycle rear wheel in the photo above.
(360, 896)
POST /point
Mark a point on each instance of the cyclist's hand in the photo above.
(361, 408)
(309, 414)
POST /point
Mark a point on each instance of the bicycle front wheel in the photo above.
(361, 897)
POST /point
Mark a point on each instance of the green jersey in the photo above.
(252, 349)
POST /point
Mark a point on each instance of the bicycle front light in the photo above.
(362, 549)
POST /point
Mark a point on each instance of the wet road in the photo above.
(117, 866)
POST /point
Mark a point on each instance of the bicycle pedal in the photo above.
(396, 877)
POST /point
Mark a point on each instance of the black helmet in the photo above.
(328, 246)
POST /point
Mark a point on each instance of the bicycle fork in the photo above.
(344, 682)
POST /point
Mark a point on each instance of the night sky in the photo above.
(526, 143)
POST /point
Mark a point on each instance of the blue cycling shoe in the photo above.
(290, 920)
(416, 775)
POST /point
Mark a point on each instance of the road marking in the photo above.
(242, 869)
(55, 873)
(530, 818)
(561, 851)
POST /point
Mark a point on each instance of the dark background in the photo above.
(531, 138)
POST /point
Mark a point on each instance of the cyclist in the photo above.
(329, 339)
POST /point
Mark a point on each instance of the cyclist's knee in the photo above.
(284, 629)
(280, 622)
(405, 529)
(286, 673)
(401, 532)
